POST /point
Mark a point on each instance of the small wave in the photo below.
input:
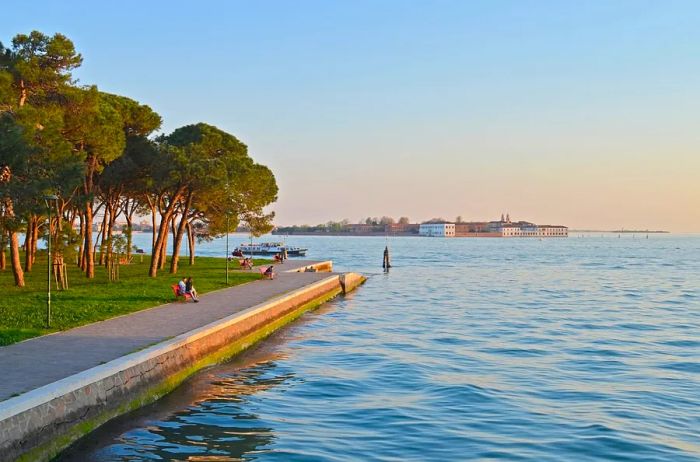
(682, 343)
(517, 352)
(692, 367)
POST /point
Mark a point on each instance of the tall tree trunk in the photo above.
(158, 246)
(128, 215)
(103, 236)
(22, 93)
(164, 247)
(113, 208)
(14, 257)
(14, 239)
(28, 244)
(173, 231)
(162, 239)
(89, 252)
(129, 240)
(190, 242)
(180, 232)
(98, 240)
(71, 215)
(3, 250)
(27, 238)
(81, 246)
(89, 215)
(35, 239)
(154, 231)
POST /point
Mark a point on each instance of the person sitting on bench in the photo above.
(246, 263)
(182, 288)
(189, 289)
(269, 272)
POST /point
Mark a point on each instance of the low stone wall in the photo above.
(39, 424)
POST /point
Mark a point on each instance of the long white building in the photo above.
(507, 228)
(437, 229)
(530, 230)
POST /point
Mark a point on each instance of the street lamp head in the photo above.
(48, 198)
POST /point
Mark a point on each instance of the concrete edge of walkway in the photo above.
(320, 266)
(37, 425)
(41, 395)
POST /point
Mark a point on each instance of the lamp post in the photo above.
(47, 200)
(227, 228)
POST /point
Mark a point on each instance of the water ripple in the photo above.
(578, 349)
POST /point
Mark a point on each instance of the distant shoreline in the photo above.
(382, 234)
(475, 235)
(620, 231)
(459, 236)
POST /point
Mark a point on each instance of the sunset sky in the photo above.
(585, 114)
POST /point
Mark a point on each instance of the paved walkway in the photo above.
(39, 361)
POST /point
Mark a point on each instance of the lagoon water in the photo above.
(468, 349)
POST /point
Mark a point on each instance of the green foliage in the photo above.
(41, 65)
(137, 120)
(94, 127)
(228, 185)
(90, 148)
(18, 185)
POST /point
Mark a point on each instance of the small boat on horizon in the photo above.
(269, 248)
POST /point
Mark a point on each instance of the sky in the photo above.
(576, 113)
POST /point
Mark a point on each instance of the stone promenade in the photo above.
(39, 361)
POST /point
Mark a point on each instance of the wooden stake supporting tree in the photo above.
(116, 252)
(64, 243)
(60, 275)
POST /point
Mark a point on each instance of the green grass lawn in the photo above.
(23, 311)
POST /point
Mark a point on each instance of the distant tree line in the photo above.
(385, 220)
(367, 225)
(81, 151)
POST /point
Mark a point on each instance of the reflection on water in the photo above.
(208, 419)
(469, 349)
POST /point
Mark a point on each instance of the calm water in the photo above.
(469, 349)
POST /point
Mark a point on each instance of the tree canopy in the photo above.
(99, 155)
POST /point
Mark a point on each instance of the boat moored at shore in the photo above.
(269, 248)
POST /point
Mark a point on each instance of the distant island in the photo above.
(437, 227)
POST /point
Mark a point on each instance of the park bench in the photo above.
(264, 275)
(177, 293)
(243, 264)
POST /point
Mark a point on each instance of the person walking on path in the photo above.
(189, 289)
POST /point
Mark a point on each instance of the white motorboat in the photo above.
(269, 248)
